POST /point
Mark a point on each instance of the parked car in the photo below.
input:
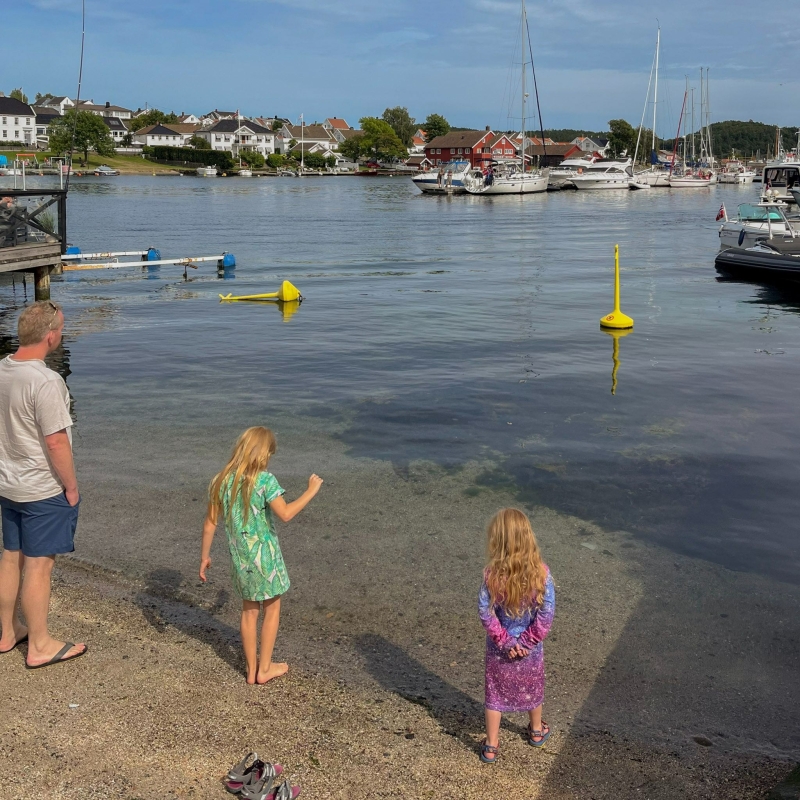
(104, 171)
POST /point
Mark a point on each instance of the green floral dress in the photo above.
(257, 567)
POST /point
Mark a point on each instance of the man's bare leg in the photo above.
(267, 668)
(35, 607)
(10, 582)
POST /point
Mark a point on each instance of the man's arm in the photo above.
(60, 452)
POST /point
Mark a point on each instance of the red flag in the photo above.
(721, 213)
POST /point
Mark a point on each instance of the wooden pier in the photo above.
(32, 239)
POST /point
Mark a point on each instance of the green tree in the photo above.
(275, 160)
(330, 161)
(622, 137)
(18, 94)
(41, 99)
(277, 124)
(127, 140)
(352, 147)
(199, 143)
(380, 141)
(252, 158)
(402, 123)
(152, 117)
(91, 133)
(435, 125)
(314, 160)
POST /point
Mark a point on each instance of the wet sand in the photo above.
(667, 676)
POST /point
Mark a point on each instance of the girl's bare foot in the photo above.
(275, 670)
(251, 678)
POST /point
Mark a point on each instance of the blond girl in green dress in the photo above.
(248, 497)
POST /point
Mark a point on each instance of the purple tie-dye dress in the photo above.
(515, 684)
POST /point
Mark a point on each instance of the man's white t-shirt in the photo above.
(34, 402)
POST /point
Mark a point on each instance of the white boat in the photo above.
(561, 176)
(778, 180)
(207, 172)
(765, 222)
(700, 175)
(448, 179)
(512, 177)
(245, 173)
(701, 179)
(604, 175)
(736, 172)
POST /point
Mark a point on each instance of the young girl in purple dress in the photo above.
(517, 602)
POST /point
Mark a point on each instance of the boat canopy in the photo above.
(751, 213)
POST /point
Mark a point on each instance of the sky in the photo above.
(459, 58)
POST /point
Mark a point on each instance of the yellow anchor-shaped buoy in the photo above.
(616, 319)
(287, 293)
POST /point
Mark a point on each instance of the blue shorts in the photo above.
(40, 528)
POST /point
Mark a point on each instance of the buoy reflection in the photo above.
(616, 335)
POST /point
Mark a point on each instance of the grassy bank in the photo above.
(127, 165)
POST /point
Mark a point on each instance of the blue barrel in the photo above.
(153, 254)
(228, 260)
(72, 250)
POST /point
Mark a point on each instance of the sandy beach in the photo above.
(667, 676)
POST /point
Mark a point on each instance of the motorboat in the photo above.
(763, 223)
(207, 172)
(604, 174)
(448, 179)
(652, 177)
(104, 170)
(760, 262)
(736, 172)
(245, 173)
(507, 179)
(778, 180)
(560, 177)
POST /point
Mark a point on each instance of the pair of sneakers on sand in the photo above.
(254, 779)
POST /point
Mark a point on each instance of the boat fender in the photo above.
(73, 250)
(228, 260)
(153, 254)
(741, 237)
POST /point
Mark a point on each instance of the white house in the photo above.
(59, 104)
(591, 145)
(17, 121)
(154, 135)
(242, 135)
(105, 111)
(116, 127)
(188, 119)
(310, 134)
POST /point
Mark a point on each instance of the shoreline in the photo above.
(159, 708)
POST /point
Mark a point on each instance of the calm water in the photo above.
(453, 329)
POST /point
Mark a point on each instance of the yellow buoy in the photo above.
(287, 293)
(616, 319)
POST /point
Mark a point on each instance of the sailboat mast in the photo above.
(694, 155)
(523, 28)
(655, 93)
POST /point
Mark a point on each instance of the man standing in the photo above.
(38, 488)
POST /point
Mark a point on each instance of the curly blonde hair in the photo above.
(250, 456)
(515, 573)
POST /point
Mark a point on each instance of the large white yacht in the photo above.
(736, 172)
(448, 179)
(779, 179)
(506, 179)
(604, 174)
(562, 175)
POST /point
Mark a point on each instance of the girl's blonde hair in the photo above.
(515, 574)
(250, 456)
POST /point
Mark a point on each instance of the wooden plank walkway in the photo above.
(28, 256)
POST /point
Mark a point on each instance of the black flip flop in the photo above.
(21, 641)
(57, 658)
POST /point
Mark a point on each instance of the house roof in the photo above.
(219, 114)
(183, 117)
(417, 160)
(90, 106)
(308, 146)
(350, 133)
(115, 123)
(562, 150)
(233, 125)
(500, 136)
(12, 107)
(337, 123)
(183, 127)
(47, 117)
(459, 139)
(158, 129)
(310, 132)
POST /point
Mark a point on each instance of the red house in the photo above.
(472, 146)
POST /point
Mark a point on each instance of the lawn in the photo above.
(130, 165)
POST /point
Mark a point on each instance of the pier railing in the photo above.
(33, 217)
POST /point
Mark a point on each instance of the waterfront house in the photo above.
(336, 124)
(216, 115)
(106, 110)
(45, 115)
(17, 121)
(417, 143)
(552, 154)
(503, 146)
(472, 146)
(420, 162)
(313, 134)
(592, 145)
(242, 135)
(117, 128)
(59, 104)
(159, 134)
(188, 119)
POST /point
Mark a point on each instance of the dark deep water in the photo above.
(460, 329)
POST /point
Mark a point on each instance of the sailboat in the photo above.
(655, 174)
(514, 179)
(698, 176)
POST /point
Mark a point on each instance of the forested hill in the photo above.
(747, 138)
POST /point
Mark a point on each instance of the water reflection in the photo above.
(616, 336)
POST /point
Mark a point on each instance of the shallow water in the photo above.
(459, 329)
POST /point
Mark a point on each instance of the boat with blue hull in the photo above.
(450, 178)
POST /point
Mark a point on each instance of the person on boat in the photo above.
(440, 177)
(489, 176)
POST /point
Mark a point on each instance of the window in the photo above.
(5, 120)
(467, 149)
(16, 120)
(460, 151)
(16, 134)
(217, 138)
(439, 150)
(5, 134)
(27, 120)
(227, 138)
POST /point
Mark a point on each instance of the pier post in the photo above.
(41, 277)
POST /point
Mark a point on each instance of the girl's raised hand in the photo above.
(314, 482)
(205, 563)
